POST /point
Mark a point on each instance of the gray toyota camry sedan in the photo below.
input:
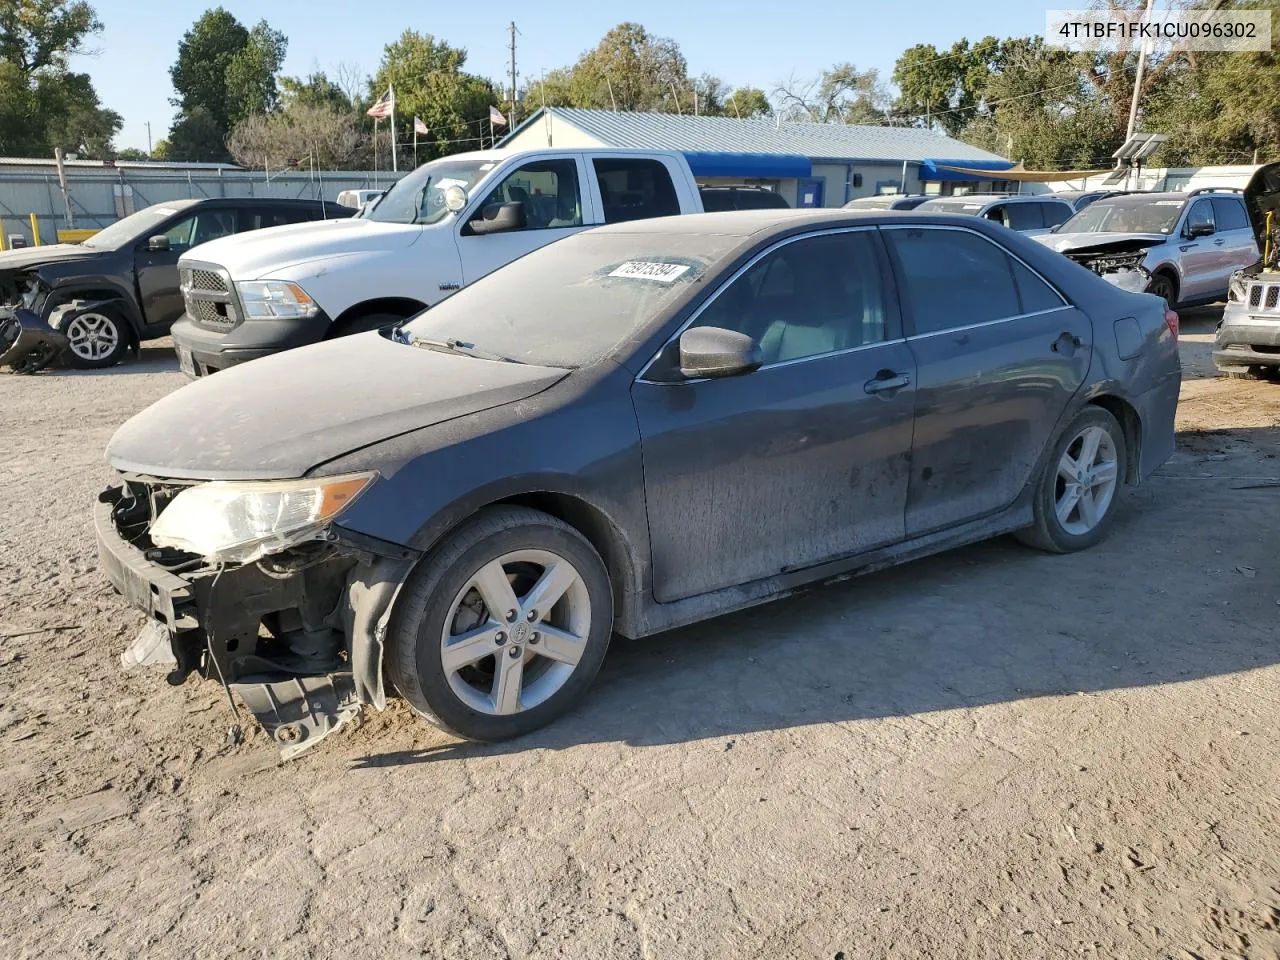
(638, 427)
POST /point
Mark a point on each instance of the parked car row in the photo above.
(641, 426)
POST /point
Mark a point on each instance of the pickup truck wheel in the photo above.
(503, 627)
(95, 339)
(1077, 493)
(370, 321)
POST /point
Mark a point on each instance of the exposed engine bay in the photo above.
(1118, 261)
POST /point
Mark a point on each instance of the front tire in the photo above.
(503, 627)
(95, 339)
(1163, 285)
(363, 324)
(1079, 487)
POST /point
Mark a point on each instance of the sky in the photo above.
(745, 43)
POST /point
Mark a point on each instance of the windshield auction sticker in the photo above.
(648, 270)
(1159, 30)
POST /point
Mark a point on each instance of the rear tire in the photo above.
(1079, 488)
(482, 672)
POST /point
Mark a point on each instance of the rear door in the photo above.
(550, 190)
(1238, 248)
(635, 188)
(800, 461)
(157, 271)
(999, 354)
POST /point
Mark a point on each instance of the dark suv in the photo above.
(720, 199)
(94, 300)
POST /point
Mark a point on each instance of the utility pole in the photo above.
(513, 118)
(1137, 78)
(148, 139)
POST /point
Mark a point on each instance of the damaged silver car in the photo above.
(1248, 338)
(1180, 246)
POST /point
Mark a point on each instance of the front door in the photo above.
(157, 270)
(809, 193)
(549, 191)
(1200, 256)
(803, 460)
(999, 355)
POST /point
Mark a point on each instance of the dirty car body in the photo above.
(646, 425)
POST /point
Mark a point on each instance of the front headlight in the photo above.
(235, 522)
(1237, 288)
(275, 299)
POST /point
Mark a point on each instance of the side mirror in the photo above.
(498, 218)
(716, 352)
(1201, 228)
(158, 244)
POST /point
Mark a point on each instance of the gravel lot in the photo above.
(992, 753)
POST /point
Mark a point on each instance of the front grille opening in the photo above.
(1255, 295)
(207, 311)
(205, 280)
(1273, 294)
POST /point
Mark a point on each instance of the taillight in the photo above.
(1171, 321)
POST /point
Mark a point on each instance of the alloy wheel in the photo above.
(1088, 475)
(92, 336)
(515, 632)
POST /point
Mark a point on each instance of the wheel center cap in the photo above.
(520, 632)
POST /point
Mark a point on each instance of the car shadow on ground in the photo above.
(150, 359)
(991, 623)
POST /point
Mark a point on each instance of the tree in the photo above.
(42, 104)
(132, 153)
(314, 90)
(629, 69)
(944, 88)
(301, 134)
(747, 102)
(224, 72)
(430, 83)
(251, 74)
(843, 94)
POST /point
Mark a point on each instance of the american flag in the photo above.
(420, 127)
(384, 106)
(496, 117)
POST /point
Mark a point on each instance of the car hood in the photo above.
(1262, 196)
(278, 417)
(28, 257)
(256, 254)
(1100, 242)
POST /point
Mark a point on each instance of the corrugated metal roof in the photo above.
(819, 141)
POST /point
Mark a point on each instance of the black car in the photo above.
(108, 293)
(721, 199)
(635, 428)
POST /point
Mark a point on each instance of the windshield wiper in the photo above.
(451, 345)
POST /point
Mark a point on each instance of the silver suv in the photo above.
(1186, 245)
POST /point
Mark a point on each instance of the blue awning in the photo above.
(762, 166)
(932, 169)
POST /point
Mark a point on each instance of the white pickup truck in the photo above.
(441, 227)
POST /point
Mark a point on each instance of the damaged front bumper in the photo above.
(297, 636)
(27, 343)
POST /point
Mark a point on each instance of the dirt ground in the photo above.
(992, 753)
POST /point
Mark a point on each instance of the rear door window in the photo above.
(952, 278)
(1024, 216)
(1229, 214)
(1055, 213)
(635, 189)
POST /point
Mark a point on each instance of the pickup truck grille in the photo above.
(209, 296)
(1264, 296)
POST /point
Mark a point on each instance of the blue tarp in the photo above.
(763, 166)
(929, 169)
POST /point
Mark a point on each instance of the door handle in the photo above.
(1065, 339)
(887, 381)
(1218, 243)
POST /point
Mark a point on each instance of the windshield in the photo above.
(969, 206)
(132, 227)
(419, 197)
(570, 303)
(1125, 216)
